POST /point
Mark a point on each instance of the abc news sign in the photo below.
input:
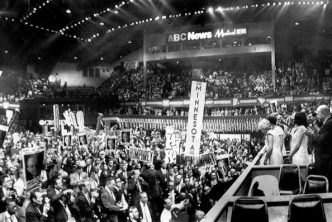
(194, 36)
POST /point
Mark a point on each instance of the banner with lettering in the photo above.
(56, 117)
(141, 154)
(195, 118)
(172, 146)
(207, 159)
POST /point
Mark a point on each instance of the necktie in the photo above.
(146, 213)
(113, 196)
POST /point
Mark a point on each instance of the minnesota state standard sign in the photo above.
(195, 118)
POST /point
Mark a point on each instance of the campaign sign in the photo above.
(82, 139)
(111, 142)
(207, 159)
(33, 159)
(195, 118)
(141, 154)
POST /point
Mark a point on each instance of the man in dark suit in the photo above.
(144, 208)
(37, 211)
(6, 191)
(323, 153)
(65, 209)
(84, 203)
(110, 206)
(136, 185)
(55, 192)
(161, 176)
(88, 168)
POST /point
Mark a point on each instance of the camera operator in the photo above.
(38, 208)
(7, 191)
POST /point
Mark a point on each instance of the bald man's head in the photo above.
(323, 112)
(323, 109)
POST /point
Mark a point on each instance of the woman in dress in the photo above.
(274, 143)
(299, 141)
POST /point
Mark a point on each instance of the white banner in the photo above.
(80, 120)
(173, 140)
(56, 117)
(195, 118)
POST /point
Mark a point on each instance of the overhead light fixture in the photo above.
(210, 10)
(101, 58)
(296, 23)
(129, 42)
(101, 24)
(68, 11)
(39, 58)
(6, 51)
(75, 58)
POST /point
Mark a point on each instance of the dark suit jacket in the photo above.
(325, 138)
(85, 207)
(60, 214)
(52, 194)
(33, 215)
(134, 191)
(162, 179)
(109, 206)
(140, 211)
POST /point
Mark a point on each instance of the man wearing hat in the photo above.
(78, 176)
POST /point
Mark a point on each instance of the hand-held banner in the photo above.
(195, 118)
(141, 154)
(33, 159)
(56, 116)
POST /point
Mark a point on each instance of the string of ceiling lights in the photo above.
(35, 9)
(96, 14)
(204, 10)
(9, 19)
(209, 10)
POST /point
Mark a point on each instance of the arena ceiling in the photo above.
(45, 31)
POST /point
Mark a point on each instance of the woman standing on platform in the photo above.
(274, 142)
(299, 141)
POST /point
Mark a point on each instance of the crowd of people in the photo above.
(306, 137)
(92, 182)
(166, 81)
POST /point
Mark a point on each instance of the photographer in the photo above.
(7, 191)
(38, 208)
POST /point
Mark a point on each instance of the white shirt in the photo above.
(165, 216)
(10, 218)
(19, 186)
(111, 193)
(146, 212)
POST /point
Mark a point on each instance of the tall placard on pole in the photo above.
(56, 117)
(195, 118)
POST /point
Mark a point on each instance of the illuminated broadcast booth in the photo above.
(217, 46)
